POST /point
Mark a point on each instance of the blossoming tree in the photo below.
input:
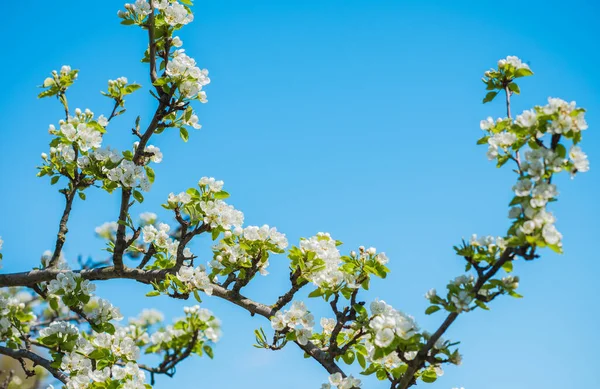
(51, 317)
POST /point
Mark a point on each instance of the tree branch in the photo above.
(61, 237)
(408, 378)
(21, 354)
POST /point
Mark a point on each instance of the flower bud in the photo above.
(44, 156)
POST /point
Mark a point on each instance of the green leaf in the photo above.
(432, 309)
(208, 350)
(555, 248)
(514, 88)
(502, 159)
(290, 336)
(221, 195)
(138, 196)
(161, 81)
(360, 309)
(508, 266)
(99, 354)
(523, 72)
(516, 200)
(150, 173)
(349, 357)
(483, 140)
(193, 192)
(481, 305)
(54, 304)
(54, 180)
(183, 133)
(361, 360)
(561, 150)
(197, 297)
(429, 376)
(47, 93)
(380, 374)
(131, 88)
(82, 195)
(108, 327)
(489, 97)
(153, 293)
(515, 294)
(316, 293)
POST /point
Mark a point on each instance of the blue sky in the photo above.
(354, 117)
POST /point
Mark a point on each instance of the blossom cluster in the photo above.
(506, 140)
(341, 382)
(110, 357)
(323, 260)
(89, 361)
(107, 230)
(160, 238)
(512, 61)
(198, 328)
(74, 290)
(388, 324)
(59, 82)
(180, 69)
(59, 332)
(296, 319)
(195, 278)
(103, 311)
(79, 134)
(183, 70)
(148, 217)
(206, 205)
(14, 315)
(321, 263)
(174, 13)
(129, 175)
(509, 69)
(147, 318)
(239, 248)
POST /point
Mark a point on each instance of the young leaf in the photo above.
(138, 196)
(183, 133)
(489, 97)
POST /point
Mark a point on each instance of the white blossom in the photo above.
(579, 159)
(512, 61)
(176, 14)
